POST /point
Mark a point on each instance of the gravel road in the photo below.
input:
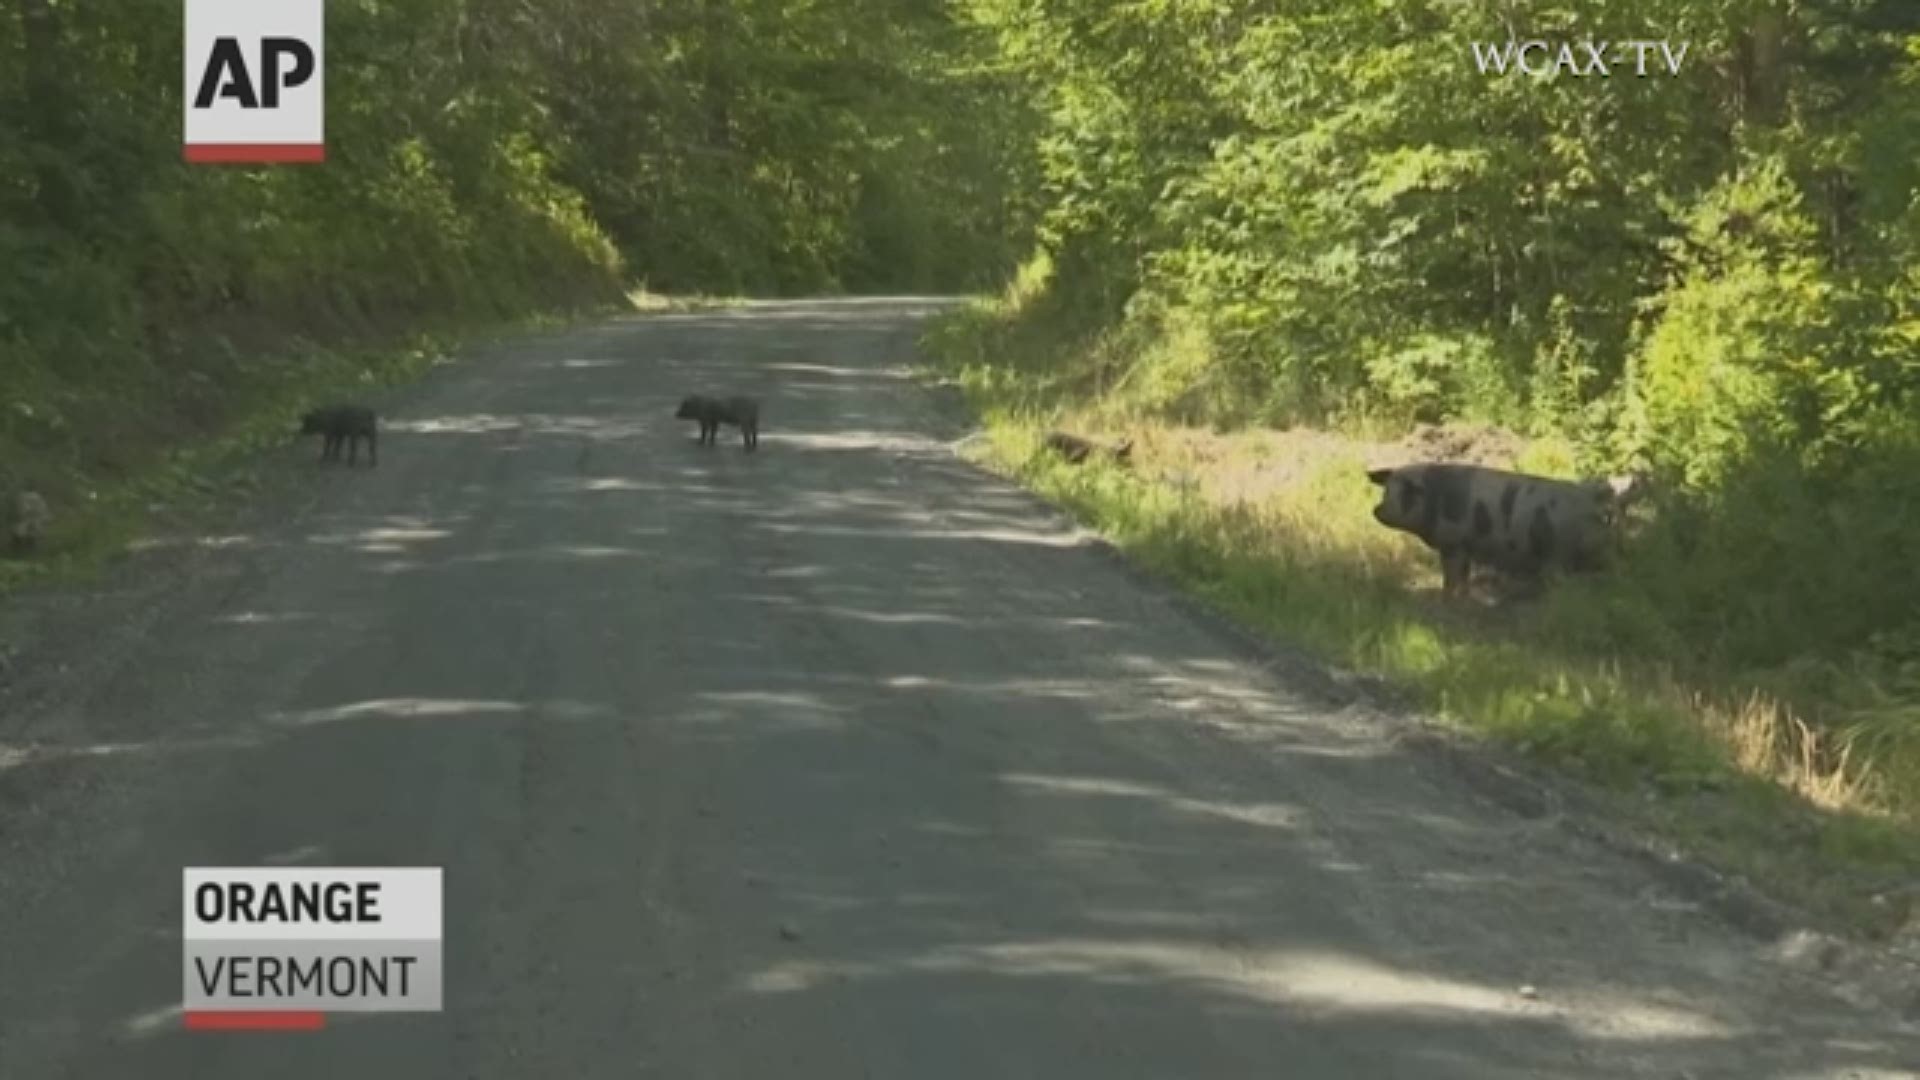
(839, 759)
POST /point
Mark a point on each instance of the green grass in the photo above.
(1692, 753)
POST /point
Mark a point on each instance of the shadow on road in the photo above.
(839, 738)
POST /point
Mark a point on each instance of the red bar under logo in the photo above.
(254, 153)
(255, 1021)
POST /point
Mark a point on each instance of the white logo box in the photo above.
(298, 120)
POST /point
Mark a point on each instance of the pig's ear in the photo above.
(1379, 476)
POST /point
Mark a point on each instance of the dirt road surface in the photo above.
(836, 760)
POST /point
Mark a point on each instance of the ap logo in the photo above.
(254, 87)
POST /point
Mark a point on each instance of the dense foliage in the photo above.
(1323, 210)
(486, 157)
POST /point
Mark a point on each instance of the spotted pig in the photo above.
(1511, 521)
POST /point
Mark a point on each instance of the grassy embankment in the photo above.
(1758, 775)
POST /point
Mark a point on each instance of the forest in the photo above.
(1322, 217)
(486, 160)
(1193, 216)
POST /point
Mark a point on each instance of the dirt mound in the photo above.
(1252, 466)
(1463, 443)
